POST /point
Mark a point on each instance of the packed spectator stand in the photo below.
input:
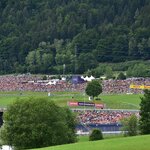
(36, 83)
(108, 121)
(103, 116)
(123, 86)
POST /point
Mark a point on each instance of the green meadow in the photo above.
(122, 101)
(85, 138)
(126, 143)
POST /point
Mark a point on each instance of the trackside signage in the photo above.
(88, 104)
(73, 103)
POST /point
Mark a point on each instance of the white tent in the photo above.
(82, 77)
(52, 82)
(6, 147)
(63, 79)
(92, 78)
(88, 78)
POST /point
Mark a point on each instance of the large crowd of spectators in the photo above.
(123, 86)
(36, 83)
(102, 116)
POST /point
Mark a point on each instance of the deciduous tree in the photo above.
(93, 88)
(37, 122)
(130, 126)
(145, 113)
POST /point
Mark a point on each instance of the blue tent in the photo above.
(77, 80)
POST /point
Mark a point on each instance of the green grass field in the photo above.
(85, 138)
(61, 98)
(127, 143)
(122, 101)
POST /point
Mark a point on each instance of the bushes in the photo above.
(121, 76)
(98, 98)
(96, 135)
(130, 125)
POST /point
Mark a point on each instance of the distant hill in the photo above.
(52, 36)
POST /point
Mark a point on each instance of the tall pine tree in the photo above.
(145, 113)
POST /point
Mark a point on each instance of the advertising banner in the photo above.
(132, 86)
(73, 103)
(99, 106)
(86, 104)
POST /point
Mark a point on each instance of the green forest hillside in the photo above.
(46, 36)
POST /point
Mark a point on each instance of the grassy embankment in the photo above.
(127, 143)
(61, 98)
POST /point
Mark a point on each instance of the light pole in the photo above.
(84, 101)
(64, 68)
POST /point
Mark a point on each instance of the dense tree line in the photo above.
(41, 36)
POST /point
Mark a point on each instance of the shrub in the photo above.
(44, 77)
(130, 125)
(121, 76)
(96, 135)
(98, 98)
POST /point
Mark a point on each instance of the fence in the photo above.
(102, 127)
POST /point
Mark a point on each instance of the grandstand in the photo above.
(109, 121)
(36, 83)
